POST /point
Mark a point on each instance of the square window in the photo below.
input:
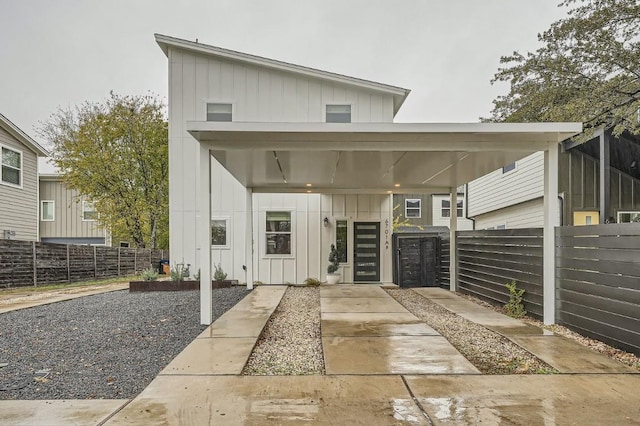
(338, 114)
(89, 213)
(278, 233)
(413, 208)
(219, 232)
(509, 167)
(11, 166)
(219, 112)
(47, 209)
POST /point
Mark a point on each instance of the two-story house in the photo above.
(18, 183)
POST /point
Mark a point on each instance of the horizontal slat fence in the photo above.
(598, 282)
(444, 260)
(26, 263)
(489, 259)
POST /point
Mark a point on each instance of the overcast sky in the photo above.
(62, 52)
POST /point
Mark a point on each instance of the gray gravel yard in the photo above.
(487, 350)
(291, 342)
(108, 345)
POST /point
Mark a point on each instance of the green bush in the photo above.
(177, 272)
(219, 274)
(311, 282)
(515, 307)
(149, 274)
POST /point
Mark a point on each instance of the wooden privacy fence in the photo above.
(26, 263)
(598, 282)
(487, 260)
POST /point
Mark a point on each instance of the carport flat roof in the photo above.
(371, 157)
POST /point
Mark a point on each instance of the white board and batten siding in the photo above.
(257, 94)
(19, 206)
(513, 199)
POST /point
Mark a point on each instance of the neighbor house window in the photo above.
(124, 244)
(509, 167)
(338, 113)
(219, 112)
(628, 217)
(412, 208)
(89, 213)
(11, 166)
(219, 232)
(341, 240)
(47, 211)
(278, 233)
(446, 208)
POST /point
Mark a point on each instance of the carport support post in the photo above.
(248, 251)
(453, 227)
(551, 220)
(203, 222)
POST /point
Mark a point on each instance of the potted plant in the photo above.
(334, 264)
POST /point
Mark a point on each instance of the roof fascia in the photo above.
(21, 136)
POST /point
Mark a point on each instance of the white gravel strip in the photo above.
(488, 351)
(291, 343)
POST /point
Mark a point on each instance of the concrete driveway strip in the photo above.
(599, 399)
(57, 412)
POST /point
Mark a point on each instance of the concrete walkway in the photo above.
(383, 367)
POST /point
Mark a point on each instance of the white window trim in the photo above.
(12, 185)
(626, 212)
(53, 211)
(219, 101)
(441, 198)
(515, 169)
(413, 208)
(83, 210)
(263, 229)
(227, 220)
(324, 110)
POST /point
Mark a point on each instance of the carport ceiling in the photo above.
(370, 157)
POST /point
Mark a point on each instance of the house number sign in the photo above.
(386, 234)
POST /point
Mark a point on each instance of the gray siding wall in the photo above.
(598, 282)
(19, 206)
(487, 260)
(67, 221)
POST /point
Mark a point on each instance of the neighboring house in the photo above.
(512, 196)
(421, 211)
(65, 216)
(271, 163)
(18, 183)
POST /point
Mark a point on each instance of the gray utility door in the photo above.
(418, 261)
(366, 252)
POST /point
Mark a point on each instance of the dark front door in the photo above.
(366, 254)
(418, 261)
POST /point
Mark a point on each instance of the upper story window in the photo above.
(413, 208)
(89, 213)
(11, 166)
(47, 208)
(338, 114)
(446, 208)
(278, 233)
(509, 167)
(219, 112)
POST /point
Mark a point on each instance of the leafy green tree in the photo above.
(587, 70)
(115, 153)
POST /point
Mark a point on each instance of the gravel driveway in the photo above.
(109, 345)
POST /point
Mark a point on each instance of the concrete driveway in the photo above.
(384, 366)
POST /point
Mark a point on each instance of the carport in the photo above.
(382, 158)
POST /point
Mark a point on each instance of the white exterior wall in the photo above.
(525, 215)
(258, 95)
(496, 190)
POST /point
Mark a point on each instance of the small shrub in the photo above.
(178, 272)
(219, 274)
(334, 260)
(149, 274)
(258, 282)
(311, 282)
(196, 276)
(514, 308)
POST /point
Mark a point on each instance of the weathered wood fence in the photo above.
(487, 260)
(25, 263)
(598, 282)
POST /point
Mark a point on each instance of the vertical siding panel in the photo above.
(276, 97)
(240, 90)
(327, 95)
(250, 110)
(363, 206)
(264, 90)
(215, 80)
(290, 99)
(202, 88)
(316, 108)
(302, 100)
(226, 81)
(339, 205)
(377, 112)
(364, 107)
